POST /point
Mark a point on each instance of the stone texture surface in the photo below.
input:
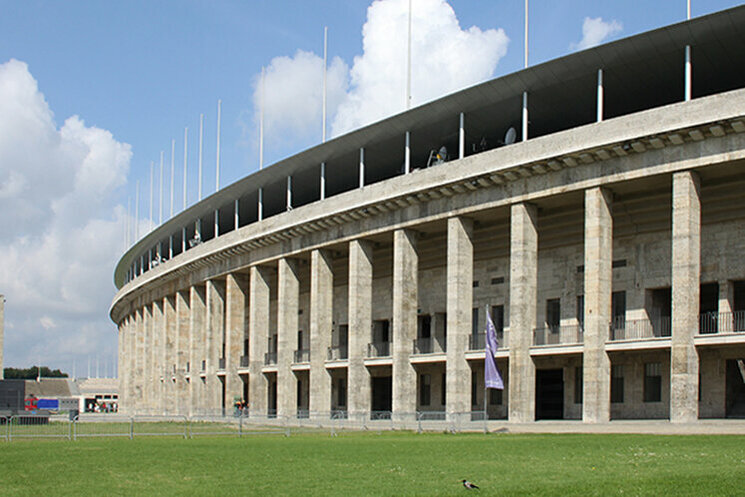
(405, 304)
(288, 287)
(360, 325)
(258, 331)
(197, 349)
(236, 303)
(321, 325)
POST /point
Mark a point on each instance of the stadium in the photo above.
(591, 204)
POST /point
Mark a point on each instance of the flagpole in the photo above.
(486, 317)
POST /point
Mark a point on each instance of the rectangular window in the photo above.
(497, 317)
(424, 389)
(652, 382)
(578, 385)
(616, 383)
(475, 320)
(553, 314)
(495, 397)
(341, 391)
(424, 325)
(299, 398)
(581, 310)
(444, 389)
(474, 389)
(618, 308)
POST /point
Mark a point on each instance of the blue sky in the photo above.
(143, 70)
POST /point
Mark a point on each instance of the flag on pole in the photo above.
(492, 378)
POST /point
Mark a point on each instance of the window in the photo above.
(474, 389)
(553, 314)
(578, 385)
(424, 389)
(299, 398)
(495, 397)
(444, 388)
(341, 391)
(424, 325)
(581, 310)
(616, 383)
(300, 340)
(652, 382)
(497, 317)
(475, 321)
(618, 308)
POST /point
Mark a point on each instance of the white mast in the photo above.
(186, 141)
(201, 135)
(160, 199)
(408, 65)
(137, 210)
(325, 65)
(217, 161)
(173, 153)
(526, 33)
(152, 165)
(261, 121)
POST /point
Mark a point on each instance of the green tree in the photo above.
(32, 372)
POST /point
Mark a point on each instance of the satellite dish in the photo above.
(510, 136)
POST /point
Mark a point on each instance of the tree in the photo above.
(32, 372)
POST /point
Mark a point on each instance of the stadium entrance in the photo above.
(735, 392)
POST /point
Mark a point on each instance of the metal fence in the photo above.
(637, 329)
(721, 322)
(555, 335)
(234, 424)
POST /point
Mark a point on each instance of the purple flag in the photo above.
(492, 378)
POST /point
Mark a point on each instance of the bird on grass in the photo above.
(469, 485)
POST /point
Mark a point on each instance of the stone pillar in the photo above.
(147, 378)
(598, 287)
(360, 327)
(215, 339)
(236, 296)
(321, 322)
(2, 334)
(169, 359)
(258, 333)
(523, 295)
(197, 348)
(459, 309)
(288, 296)
(157, 353)
(139, 361)
(121, 352)
(183, 348)
(725, 306)
(686, 271)
(405, 303)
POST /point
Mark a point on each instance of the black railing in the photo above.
(302, 355)
(639, 329)
(338, 353)
(379, 349)
(429, 345)
(477, 341)
(555, 335)
(721, 322)
(270, 358)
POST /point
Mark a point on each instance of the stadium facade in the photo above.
(593, 204)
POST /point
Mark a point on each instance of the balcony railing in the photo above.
(244, 361)
(270, 358)
(555, 335)
(379, 349)
(640, 329)
(721, 322)
(338, 353)
(302, 355)
(429, 345)
(221, 364)
(477, 341)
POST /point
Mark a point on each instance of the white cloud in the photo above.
(445, 58)
(60, 231)
(595, 31)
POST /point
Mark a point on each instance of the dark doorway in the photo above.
(272, 393)
(735, 393)
(382, 393)
(222, 393)
(549, 394)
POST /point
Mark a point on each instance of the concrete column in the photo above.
(598, 286)
(169, 356)
(459, 304)
(133, 361)
(360, 326)
(236, 298)
(140, 363)
(725, 306)
(183, 322)
(215, 339)
(2, 334)
(321, 322)
(523, 295)
(288, 296)
(157, 353)
(197, 352)
(147, 379)
(405, 303)
(686, 271)
(121, 352)
(258, 333)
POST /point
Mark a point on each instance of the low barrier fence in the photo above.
(236, 423)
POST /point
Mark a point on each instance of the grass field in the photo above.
(391, 463)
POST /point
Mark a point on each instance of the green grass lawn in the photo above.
(391, 463)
